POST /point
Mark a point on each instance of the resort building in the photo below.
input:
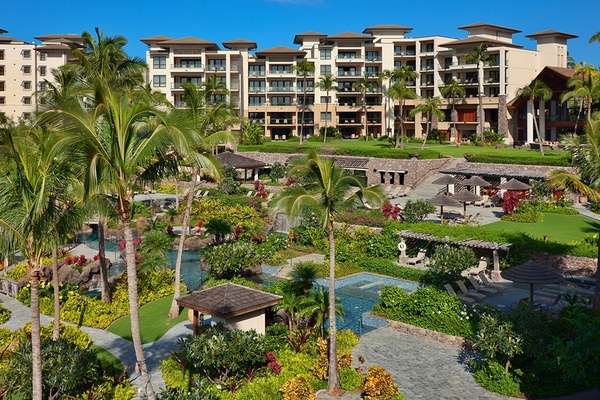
(25, 67)
(267, 87)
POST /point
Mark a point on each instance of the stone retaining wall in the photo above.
(455, 341)
(577, 266)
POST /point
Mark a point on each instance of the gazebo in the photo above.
(241, 162)
(238, 307)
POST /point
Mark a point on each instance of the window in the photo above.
(1, 69)
(372, 56)
(325, 117)
(42, 56)
(42, 71)
(27, 69)
(217, 65)
(325, 69)
(42, 85)
(159, 80)
(187, 64)
(26, 54)
(280, 69)
(281, 100)
(2, 101)
(159, 62)
(1, 86)
(372, 71)
(310, 100)
(397, 50)
(26, 115)
(1, 54)
(346, 54)
(256, 70)
(326, 99)
(257, 86)
(195, 80)
(325, 54)
(27, 85)
(397, 64)
(256, 101)
(27, 100)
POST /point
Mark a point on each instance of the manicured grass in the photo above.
(153, 321)
(107, 359)
(557, 227)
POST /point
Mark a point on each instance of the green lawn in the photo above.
(107, 359)
(153, 321)
(557, 227)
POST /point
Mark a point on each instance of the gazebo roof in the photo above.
(532, 272)
(514, 173)
(473, 243)
(228, 300)
(238, 161)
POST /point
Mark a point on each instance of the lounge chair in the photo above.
(198, 194)
(464, 299)
(249, 194)
(482, 289)
(405, 192)
(395, 192)
(481, 267)
(483, 200)
(205, 193)
(270, 196)
(487, 283)
(470, 293)
(420, 258)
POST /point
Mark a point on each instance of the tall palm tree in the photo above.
(537, 89)
(316, 306)
(35, 209)
(480, 56)
(399, 91)
(327, 84)
(431, 107)
(332, 187)
(585, 153)
(212, 86)
(118, 143)
(364, 85)
(304, 69)
(585, 88)
(401, 74)
(453, 90)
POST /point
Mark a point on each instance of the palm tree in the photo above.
(595, 38)
(304, 69)
(453, 90)
(585, 152)
(332, 187)
(303, 275)
(536, 90)
(431, 107)
(480, 56)
(316, 306)
(585, 87)
(290, 306)
(399, 91)
(327, 84)
(401, 74)
(363, 85)
(36, 210)
(211, 86)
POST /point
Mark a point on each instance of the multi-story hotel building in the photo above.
(25, 67)
(267, 88)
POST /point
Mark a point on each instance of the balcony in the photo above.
(348, 73)
(373, 58)
(410, 52)
(347, 89)
(347, 104)
(260, 89)
(187, 66)
(253, 74)
(374, 121)
(428, 67)
(308, 121)
(309, 89)
(282, 121)
(216, 68)
(279, 73)
(281, 89)
(180, 104)
(281, 103)
(234, 86)
(234, 68)
(349, 59)
(257, 120)
(349, 121)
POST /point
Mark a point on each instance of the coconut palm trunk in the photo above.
(537, 130)
(480, 111)
(326, 115)
(103, 267)
(55, 286)
(36, 341)
(333, 380)
(174, 311)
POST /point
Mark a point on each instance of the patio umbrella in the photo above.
(443, 200)
(465, 196)
(532, 273)
(476, 181)
(446, 180)
(514, 184)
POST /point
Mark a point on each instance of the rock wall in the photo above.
(412, 330)
(577, 266)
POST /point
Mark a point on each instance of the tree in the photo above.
(399, 91)
(327, 84)
(401, 74)
(595, 38)
(479, 55)
(211, 86)
(36, 211)
(431, 107)
(303, 275)
(316, 306)
(304, 69)
(585, 88)
(453, 90)
(332, 187)
(363, 86)
(585, 152)
(536, 90)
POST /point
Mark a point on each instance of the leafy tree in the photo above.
(536, 90)
(332, 187)
(585, 87)
(399, 91)
(277, 171)
(448, 262)
(219, 229)
(211, 86)
(389, 78)
(252, 133)
(327, 84)
(290, 306)
(363, 86)
(497, 340)
(453, 90)
(595, 38)
(480, 56)
(304, 69)
(416, 210)
(431, 107)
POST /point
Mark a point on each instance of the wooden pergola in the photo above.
(472, 243)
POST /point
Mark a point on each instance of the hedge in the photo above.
(528, 159)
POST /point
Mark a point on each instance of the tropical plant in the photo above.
(448, 262)
(303, 275)
(399, 91)
(431, 108)
(211, 86)
(480, 56)
(332, 187)
(327, 84)
(416, 210)
(304, 69)
(585, 88)
(252, 133)
(537, 89)
(453, 90)
(497, 340)
(363, 86)
(277, 172)
(401, 74)
(316, 305)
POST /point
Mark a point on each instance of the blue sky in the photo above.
(275, 22)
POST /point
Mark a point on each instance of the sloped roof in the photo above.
(238, 161)
(189, 41)
(298, 37)
(555, 77)
(228, 300)
(281, 50)
(388, 27)
(58, 36)
(53, 47)
(486, 25)
(550, 32)
(250, 45)
(349, 36)
(155, 39)
(10, 39)
(477, 40)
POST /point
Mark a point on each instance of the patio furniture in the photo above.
(487, 283)
(249, 194)
(484, 199)
(532, 273)
(464, 299)
(395, 192)
(480, 288)
(270, 196)
(471, 293)
(420, 258)
(405, 192)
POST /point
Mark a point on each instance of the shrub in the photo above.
(4, 315)
(18, 271)
(491, 376)
(447, 262)
(528, 158)
(379, 385)
(193, 393)
(230, 259)
(298, 389)
(174, 374)
(277, 172)
(363, 217)
(416, 211)
(351, 379)
(387, 267)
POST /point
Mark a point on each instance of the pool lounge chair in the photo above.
(470, 293)
(420, 258)
(405, 192)
(482, 289)
(487, 283)
(464, 299)
(394, 192)
(483, 200)
(481, 267)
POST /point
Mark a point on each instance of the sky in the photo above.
(272, 23)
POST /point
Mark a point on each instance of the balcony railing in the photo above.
(256, 73)
(257, 120)
(348, 73)
(217, 68)
(410, 52)
(235, 86)
(282, 121)
(281, 72)
(281, 103)
(281, 89)
(348, 121)
(235, 68)
(309, 121)
(190, 66)
(347, 89)
(309, 89)
(257, 89)
(427, 67)
(373, 58)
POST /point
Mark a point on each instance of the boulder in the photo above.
(195, 243)
(89, 270)
(66, 274)
(142, 224)
(114, 234)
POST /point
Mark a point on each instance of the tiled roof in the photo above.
(477, 40)
(483, 24)
(349, 35)
(55, 36)
(239, 161)
(281, 50)
(237, 42)
(53, 46)
(228, 300)
(550, 32)
(189, 41)
(298, 37)
(155, 39)
(389, 27)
